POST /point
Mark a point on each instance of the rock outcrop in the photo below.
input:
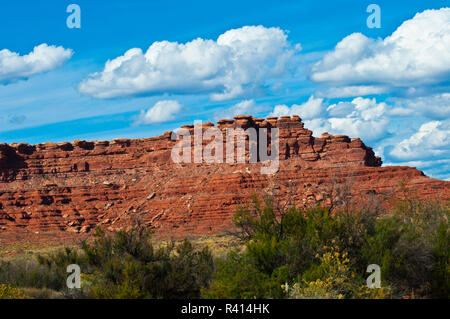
(74, 187)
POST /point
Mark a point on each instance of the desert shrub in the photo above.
(127, 265)
(278, 249)
(9, 292)
(237, 277)
(441, 270)
(28, 272)
(410, 243)
(333, 278)
(124, 264)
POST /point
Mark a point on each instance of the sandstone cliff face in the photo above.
(73, 187)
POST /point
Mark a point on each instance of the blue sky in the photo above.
(212, 60)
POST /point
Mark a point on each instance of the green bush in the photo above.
(410, 243)
(237, 277)
(29, 273)
(127, 265)
(289, 253)
(333, 278)
(8, 292)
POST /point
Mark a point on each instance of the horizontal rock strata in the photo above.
(74, 187)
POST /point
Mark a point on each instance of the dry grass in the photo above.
(14, 246)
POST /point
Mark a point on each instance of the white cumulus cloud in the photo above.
(435, 106)
(416, 53)
(308, 110)
(361, 117)
(43, 58)
(350, 91)
(431, 140)
(162, 111)
(239, 62)
(241, 108)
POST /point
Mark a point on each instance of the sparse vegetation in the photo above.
(8, 292)
(410, 243)
(285, 252)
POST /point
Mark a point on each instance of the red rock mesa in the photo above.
(73, 187)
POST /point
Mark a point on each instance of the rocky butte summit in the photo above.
(74, 187)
